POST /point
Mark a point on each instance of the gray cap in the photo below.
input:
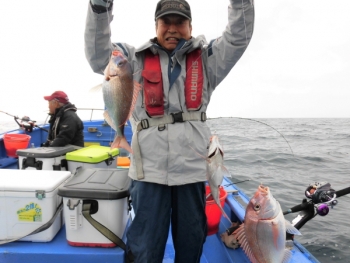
(179, 7)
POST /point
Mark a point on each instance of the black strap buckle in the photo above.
(177, 117)
(144, 124)
(203, 116)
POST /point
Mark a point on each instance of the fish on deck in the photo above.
(262, 236)
(119, 94)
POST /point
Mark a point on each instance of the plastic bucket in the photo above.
(213, 211)
(14, 142)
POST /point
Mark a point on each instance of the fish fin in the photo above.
(198, 153)
(219, 171)
(97, 88)
(287, 256)
(121, 142)
(109, 120)
(291, 229)
(225, 171)
(223, 212)
(135, 93)
(239, 234)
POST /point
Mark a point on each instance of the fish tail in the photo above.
(224, 213)
(121, 142)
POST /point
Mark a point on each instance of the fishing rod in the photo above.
(236, 182)
(25, 122)
(320, 198)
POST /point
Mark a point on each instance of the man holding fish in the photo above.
(173, 77)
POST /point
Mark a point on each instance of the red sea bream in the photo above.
(119, 95)
(262, 236)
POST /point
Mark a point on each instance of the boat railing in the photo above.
(92, 111)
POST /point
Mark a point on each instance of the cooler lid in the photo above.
(46, 152)
(31, 180)
(97, 183)
(92, 154)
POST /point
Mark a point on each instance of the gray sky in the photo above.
(297, 64)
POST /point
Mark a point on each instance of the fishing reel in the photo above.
(322, 196)
(26, 123)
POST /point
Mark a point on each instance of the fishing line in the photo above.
(9, 114)
(261, 123)
(108, 4)
(246, 35)
(270, 127)
(99, 87)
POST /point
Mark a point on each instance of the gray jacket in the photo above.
(174, 155)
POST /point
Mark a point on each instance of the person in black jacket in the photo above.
(65, 125)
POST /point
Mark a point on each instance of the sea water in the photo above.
(287, 155)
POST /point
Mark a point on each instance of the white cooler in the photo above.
(93, 156)
(105, 192)
(45, 158)
(29, 200)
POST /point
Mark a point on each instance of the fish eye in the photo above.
(120, 63)
(257, 207)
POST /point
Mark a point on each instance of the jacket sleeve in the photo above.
(225, 51)
(98, 46)
(68, 127)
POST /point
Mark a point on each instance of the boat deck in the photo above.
(58, 250)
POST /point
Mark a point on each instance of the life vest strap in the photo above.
(171, 119)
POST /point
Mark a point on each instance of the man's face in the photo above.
(170, 29)
(53, 105)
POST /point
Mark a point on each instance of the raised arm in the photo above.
(225, 51)
(98, 46)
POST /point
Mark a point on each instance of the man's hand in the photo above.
(45, 144)
(103, 3)
(101, 6)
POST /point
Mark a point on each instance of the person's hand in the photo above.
(104, 3)
(46, 144)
